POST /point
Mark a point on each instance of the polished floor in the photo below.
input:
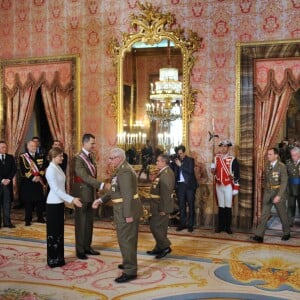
(202, 265)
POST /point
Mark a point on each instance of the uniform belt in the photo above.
(120, 200)
(295, 180)
(78, 179)
(154, 196)
(273, 187)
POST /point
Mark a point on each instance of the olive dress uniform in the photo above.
(293, 170)
(84, 187)
(161, 201)
(126, 203)
(276, 180)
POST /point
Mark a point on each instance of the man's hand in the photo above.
(96, 203)
(178, 162)
(129, 220)
(107, 186)
(76, 202)
(235, 192)
(5, 181)
(162, 213)
(276, 199)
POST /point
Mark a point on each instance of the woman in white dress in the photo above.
(55, 209)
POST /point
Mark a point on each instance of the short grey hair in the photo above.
(296, 150)
(118, 152)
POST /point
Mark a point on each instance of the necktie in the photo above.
(2, 158)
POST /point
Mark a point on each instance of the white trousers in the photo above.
(224, 194)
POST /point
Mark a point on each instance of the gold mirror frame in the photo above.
(152, 26)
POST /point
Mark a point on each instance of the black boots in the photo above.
(228, 217)
(221, 220)
(224, 220)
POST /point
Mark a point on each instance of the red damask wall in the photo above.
(30, 28)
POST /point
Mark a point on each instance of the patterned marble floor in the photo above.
(199, 268)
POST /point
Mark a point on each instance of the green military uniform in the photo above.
(161, 201)
(126, 203)
(85, 185)
(276, 180)
(293, 170)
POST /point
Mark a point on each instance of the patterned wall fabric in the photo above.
(57, 27)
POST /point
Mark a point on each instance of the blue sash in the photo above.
(295, 180)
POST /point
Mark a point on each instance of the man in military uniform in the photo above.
(227, 174)
(85, 185)
(276, 180)
(293, 169)
(127, 212)
(33, 183)
(161, 206)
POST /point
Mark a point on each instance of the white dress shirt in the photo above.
(57, 179)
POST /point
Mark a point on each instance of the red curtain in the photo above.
(19, 106)
(271, 106)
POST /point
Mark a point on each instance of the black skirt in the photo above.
(55, 235)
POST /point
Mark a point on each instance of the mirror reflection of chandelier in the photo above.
(165, 95)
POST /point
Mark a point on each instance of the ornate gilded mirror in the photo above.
(154, 100)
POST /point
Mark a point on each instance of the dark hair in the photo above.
(86, 137)
(35, 138)
(182, 148)
(275, 150)
(2, 142)
(54, 152)
(164, 158)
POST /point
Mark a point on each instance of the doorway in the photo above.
(38, 123)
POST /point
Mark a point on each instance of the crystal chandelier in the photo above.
(165, 95)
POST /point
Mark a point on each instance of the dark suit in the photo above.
(85, 185)
(186, 189)
(32, 193)
(161, 201)
(7, 171)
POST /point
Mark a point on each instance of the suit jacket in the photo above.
(163, 187)
(124, 185)
(8, 170)
(85, 184)
(188, 171)
(276, 176)
(56, 179)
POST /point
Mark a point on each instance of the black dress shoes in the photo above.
(286, 237)
(60, 264)
(153, 252)
(125, 278)
(41, 220)
(121, 266)
(229, 231)
(218, 230)
(92, 252)
(27, 223)
(190, 229)
(163, 253)
(257, 239)
(10, 226)
(81, 256)
(179, 228)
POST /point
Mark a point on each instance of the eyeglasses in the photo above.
(113, 157)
